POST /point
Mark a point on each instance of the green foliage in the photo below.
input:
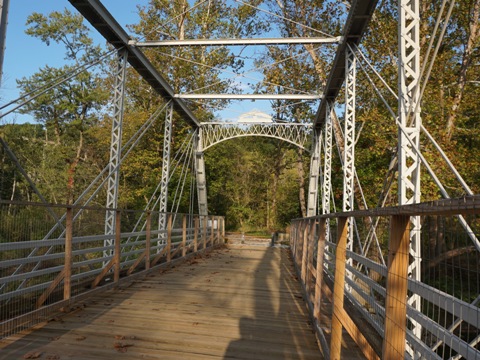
(258, 183)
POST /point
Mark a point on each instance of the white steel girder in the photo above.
(410, 120)
(163, 201)
(349, 143)
(314, 173)
(327, 167)
(200, 174)
(115, 148)
(214, 133)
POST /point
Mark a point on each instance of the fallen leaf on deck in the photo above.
(80, 338)
(121, 347)
(33, 355)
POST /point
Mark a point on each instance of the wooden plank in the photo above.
(169, 238)
(157, 258)
(319, 269)
(195, 235)
(137, 262)
(118, 239)
(67, 287)
(242, 303)
(212, 231)
(104, 272)
(41, 300)
(205, 221)
(358, 337)
(148, 240)
(177, 250)
(397, 283)
(338, 290)
(306, 236)
(310, 248)
(184, 235)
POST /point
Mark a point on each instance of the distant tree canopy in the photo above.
(257, 183)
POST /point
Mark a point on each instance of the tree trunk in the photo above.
(301, 182)
(71, 171)
(181, 23)
(462, 76)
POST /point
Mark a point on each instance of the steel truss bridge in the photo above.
(371, 295)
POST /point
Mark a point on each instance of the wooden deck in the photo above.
(237, 303)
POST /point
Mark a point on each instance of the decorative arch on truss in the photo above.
(213, 133)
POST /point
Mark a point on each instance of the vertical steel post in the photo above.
(167, 140)
(409, 118)
(327, 168)
(200, 174)
(314, 173)
(115, 149)
(349, 148)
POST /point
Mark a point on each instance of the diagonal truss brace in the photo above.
(115, 149)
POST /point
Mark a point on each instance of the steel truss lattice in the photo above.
(410, 120)
(115, 148)
(327, 166)
(349, 147)
(200, 175)
(167, 140)
(314, 173)
(214, 133)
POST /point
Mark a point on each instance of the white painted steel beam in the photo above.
(355, 27)
(327, 163)
(115, 149)
(200, 175)
(314, 173)
(349, 146)
(250, 96)
(163, 201)
(234, 42)
(216, 132)
(409, 136)
(96, 13)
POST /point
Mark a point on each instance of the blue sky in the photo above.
(24, 55)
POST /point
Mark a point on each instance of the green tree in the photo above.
(68, 110)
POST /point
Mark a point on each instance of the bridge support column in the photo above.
(115, 149)
(314, 172)
(162, 208)
(410, 120)
(349, 148)
(327, 168)
(200, 175)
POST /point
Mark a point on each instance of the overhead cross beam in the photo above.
(112, 31)
(236, 42)
(250, 96)
(359, 17)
